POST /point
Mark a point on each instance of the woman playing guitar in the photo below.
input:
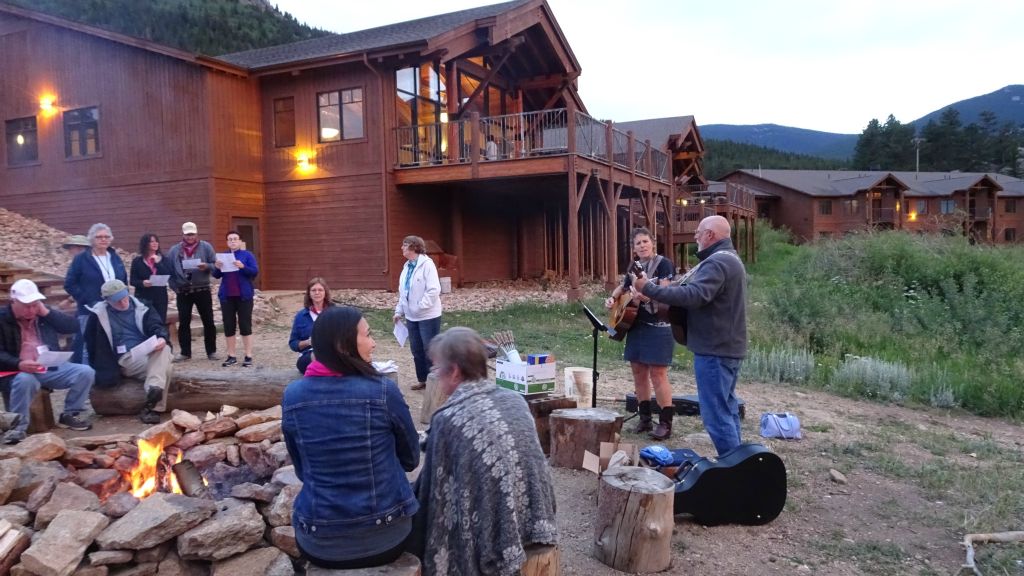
(649, 341)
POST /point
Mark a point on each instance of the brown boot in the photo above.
(664, 428)
(645, 424)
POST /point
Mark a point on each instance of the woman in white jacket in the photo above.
(419, 302)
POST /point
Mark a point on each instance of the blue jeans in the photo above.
(716, 391)
(420, 335)
(76, 378)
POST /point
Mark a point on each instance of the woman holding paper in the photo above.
(236, 269)
(149, 273)
(419, 302)
(318, 299)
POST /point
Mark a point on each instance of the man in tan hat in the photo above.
(76, 244)
(27, 328)
(118, 324)
(193, 260)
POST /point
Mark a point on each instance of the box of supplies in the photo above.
(525, 378)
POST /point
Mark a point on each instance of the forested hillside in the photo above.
(724, 156)
(208, 27)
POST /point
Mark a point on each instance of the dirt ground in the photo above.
(871, 525)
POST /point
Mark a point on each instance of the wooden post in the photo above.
(406, 565)
(542, 560)
(433, 397)
(633, 529)
(576, 430)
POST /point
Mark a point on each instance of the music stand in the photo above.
(598, 328)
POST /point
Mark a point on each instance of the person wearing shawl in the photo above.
(351, 438)
(485, 491)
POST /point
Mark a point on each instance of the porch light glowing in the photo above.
(444, 117)
(912, 217)
(304, 162)
(47, 103)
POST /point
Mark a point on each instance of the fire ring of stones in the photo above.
(185, 497)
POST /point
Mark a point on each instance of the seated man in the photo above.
(117, 324)
(26, 325)
(485, 491)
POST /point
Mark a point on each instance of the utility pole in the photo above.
(917, 153)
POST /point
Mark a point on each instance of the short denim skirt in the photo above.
(649, 344)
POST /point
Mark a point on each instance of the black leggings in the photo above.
(243, 308)
(385, 557)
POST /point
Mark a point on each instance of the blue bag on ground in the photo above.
(656, 454)
(780, 425)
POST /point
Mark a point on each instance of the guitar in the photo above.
(747, 485)
(623, 312)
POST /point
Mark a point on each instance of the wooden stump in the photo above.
(542, 560)
(433, 397)
(40, 412)
(199, 390)
(576, 430)
(633, 529)
(406, 565)
(541, 409)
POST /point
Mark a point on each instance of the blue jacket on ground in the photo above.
(351, 439)
(84, 278)
(245, 275)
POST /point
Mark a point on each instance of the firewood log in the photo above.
(193, 389)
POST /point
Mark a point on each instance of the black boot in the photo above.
(664, 428)
(645, 424)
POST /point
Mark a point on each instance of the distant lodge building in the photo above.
(465, 128)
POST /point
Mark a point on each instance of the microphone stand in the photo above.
(598, 327)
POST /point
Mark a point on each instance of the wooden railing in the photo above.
(530, 134)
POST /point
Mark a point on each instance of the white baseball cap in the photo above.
(26, 291)
(189, 228)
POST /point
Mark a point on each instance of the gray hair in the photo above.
(461, 347)
(96, 229)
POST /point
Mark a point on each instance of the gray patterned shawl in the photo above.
(485, 491)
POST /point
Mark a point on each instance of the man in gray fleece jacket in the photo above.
(715, 298)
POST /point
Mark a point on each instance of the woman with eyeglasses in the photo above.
(87, 273)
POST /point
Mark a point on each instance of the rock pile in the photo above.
(72, 501)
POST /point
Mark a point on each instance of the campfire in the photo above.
(154, 472)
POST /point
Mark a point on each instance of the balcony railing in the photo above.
(694, 203)
(530, 134)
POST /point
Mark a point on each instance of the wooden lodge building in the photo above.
(815, 204)
(464, 128)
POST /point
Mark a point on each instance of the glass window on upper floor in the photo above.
(340, 115)
(1011, 205)
(284, 122)
(82, 132)
(22, 141)
(421, 96)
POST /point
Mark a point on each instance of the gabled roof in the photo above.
(658, 130)
(408, 33)
(833, 183)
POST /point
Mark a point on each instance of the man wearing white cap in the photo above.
(193, 260)
(27, 327)
(118, 324)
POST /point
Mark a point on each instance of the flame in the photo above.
(144, 477)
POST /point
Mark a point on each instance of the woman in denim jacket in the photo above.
(351, 437)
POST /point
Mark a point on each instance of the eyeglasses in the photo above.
(191, 234)
(103, 237)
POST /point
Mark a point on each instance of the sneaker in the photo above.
(418, 386)
(9, 420)
(149, 417)
(247, 363)
(14, 436)
(181, 358)
(231, 361)
(72, 421)
(153, 397)
(212, 356)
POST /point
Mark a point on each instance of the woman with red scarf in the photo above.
(151, 262)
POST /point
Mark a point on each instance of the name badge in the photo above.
(121, 349)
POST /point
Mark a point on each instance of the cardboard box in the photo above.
(598, 463)
(525, 378)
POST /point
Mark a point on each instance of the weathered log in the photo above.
(200, 390)
(576, 430)
(633, 529)
(971, 539)
(40, 413)
(542, 560)
(406, 565)
(433, 397)
(541, 409)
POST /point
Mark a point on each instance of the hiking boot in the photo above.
(181, 358)
(9, 420)
(212, 356)
(14, 436)
(231, 361)
(149, 417)
(663, 431)
(247, 362)
(645, 424)
(153, 397)
(73, 422)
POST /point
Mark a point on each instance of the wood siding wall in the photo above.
(796, 210)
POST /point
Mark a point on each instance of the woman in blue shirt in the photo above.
(318, 298)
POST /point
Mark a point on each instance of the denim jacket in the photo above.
(351, 439)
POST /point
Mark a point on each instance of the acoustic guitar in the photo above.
(746, 485)
(623, 312)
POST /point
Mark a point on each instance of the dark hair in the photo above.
(308, 301)
(334, 341)
(235, 232)
(415, 243)
(144, 243)
(461, 347)
(640, 231)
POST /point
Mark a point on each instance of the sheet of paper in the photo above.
(143, 349)
(401, 333)
(51, 359)
(190, 263)
(159, 279)
(227, 262)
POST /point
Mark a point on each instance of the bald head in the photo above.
(711, 230)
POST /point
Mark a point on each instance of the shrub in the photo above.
(872, 378)
(779, 365)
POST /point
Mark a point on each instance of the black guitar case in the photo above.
(747, 485)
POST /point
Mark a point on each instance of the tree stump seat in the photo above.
(577, 430)
(633, 529)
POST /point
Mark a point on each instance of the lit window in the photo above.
(22, 143)
(81, 132)
(340, 115)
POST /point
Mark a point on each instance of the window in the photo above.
(340, 115)
(947, 206)
(1011, 205)
(1010, 235)
(825, 207)
(921, 207)
(82, 132)
(284, 122)
(22, 142)
(852, 207)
